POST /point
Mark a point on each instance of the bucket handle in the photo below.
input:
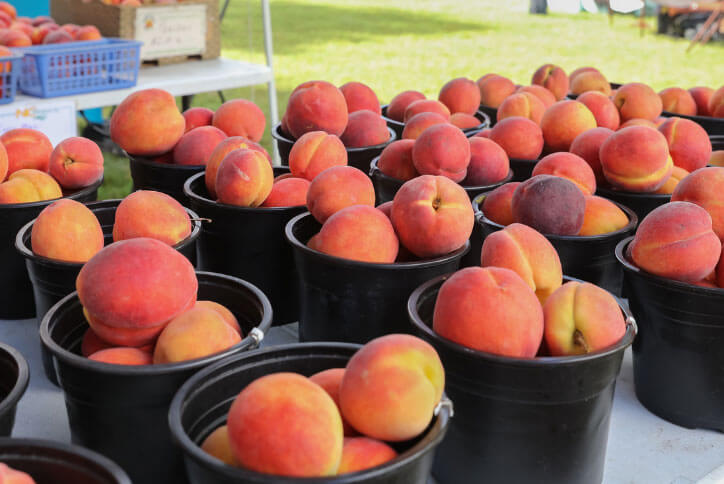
(257, 337)
(201, 219)
(444, 403)
(631, 321)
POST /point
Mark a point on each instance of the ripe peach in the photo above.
(8, 475)
(704, 187)
(716, 103)
(196, 146)
(3, 163)
(464, 121)
(587, 145)
(8, 9)
(563, 121)
(498, 204)
(195, 117)
(638, 122)
(16, 38)
(398, 105)
(66, 230)
(677, 100)
(549, 204)
(244, 178)
(365, 128)
(330, 380)
(76, 163)
(420, 122)
(488, 163)
(689, 144)
(677, 174)
(460, 95)
(217, 445)
(40, 32)
(59, 36)
(225, 314)
(485, 133)
(494, 89)
(541, 93)
(442, 149)
(314, 152)
(426, 106)
(520, 137)
(291, 192)
(602, 109)
(590, 81)
(396, 160)
(581, 70)
(552, 78)
(72, 29)
(637, 100)
(222, 149)
(123, 356)
(569, 166)
(88, 32)
(360, 453)
(27, 185)
(701, 95)
(522, 104)
(146, 213)
(337, 188)
(602, 216)
(239, 117)
(360, 96)
(27, 29)
(316, 106)
(92, 343)
(26, 148)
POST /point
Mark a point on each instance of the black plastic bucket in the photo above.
(713, 126)
(397, 126)
(248, 243)
(284, 143)
(49, 462)
(122, 411)
(14, 377)
(201, 405)
(542, 420)
(641, 203)
(522, 169)
(351, 301)
(162, 177)
(717, 142)
(16, 292)
(677, 359)
(492, 114)
(591, 258)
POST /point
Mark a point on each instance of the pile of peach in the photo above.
(69, 231)
(12, 476)
(31, 170)
(23, 31)
(139, 298)
(516, 305)
(336, 421)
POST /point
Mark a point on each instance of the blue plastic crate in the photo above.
(79, 67)
(9, 73)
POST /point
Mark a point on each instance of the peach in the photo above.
(8, 9)
(314, 152)
(239, 117)
(541, 93)
(291, 192)
(226, 315)
(244, 178)
(196, 146)
(489, 309)
(42, 19)
(587, 145)
(464, 121)
(581, 318)
(484, 133)
(396, 160)
(88, 32)
(26, 148)
(386, 208)
(494, 89)
(91, 343)
(147, 123)
(16, 38)
(420, 122)
(563, 121)
(526, 252)
(678, 100)
(330, 380)
(569, 166)
(59, 36)
(26, 185)
(460, 95)
(522, 104)
(602, 216)
(426, 106)
(195, 117)
(498, 204)
(520, 137)
(391, 387)
(488, 163)
(337, 188)
(360, 96)
(716, 103)
(316, 106)
(652, 165)
(217, 445)
(224, 148)
(360, 453)
(3, 163)
(41, 32)
(581, 70)
(76, 163)
(639, 122)
(676, 241)
(552, 78)
(591, 81)
(704, 187)
(701, 95)
(5, 20)
(27, 29)
(432, 216)
(637, 100)
(398, 105)
(442, 149)
(602, 109)
(717, 158)
(146, 213)
(549, 204)
(689, 144)
(8, 475)
(677, 174)
(131, 289)
(365, 128)
(68, 231)
(286, 425)
(70, 28)
(122, 356)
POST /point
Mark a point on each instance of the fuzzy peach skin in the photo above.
(426, 106)
(91, 343)
(291, 192)
(444, 150)
(489, 309)
(217, 445)
(8, 475)
(717, 158)
(541, 93)
(223, 311)
(701, 95)
(314, 152)
(244, 178)
(522, 104)
(88, 32)
(638, 122)
(3, 163)
(581, 318)
(636, 159)
(590, 81)
(360, 96)
(9, 9)
(678, 100)
(195, 117)
(135, 285)
(705, 187)
(432, 216)
(286, 425)
(464, 121)
(581, 70)
(337, 188)
(602, 216)
(689, 143)
(147, 123)
(520, 137)
(676, 241)
(239, 117)
(76, 163)
(552, 78)
(365, 128)
(26, 185)
(361, 233)
(420, 122)
(602, 109)
(26, 148)
(549, 204)
(460, 95)
(224, 148)
(488, 163)
(563, 121)
(68, 231)
(526, 252)
(587, 145)
(58, 36)
(716, 103)
(196, 146)
(677, 174)
(331, 380)
(360, 453)
(396, 160)
(146, 213)
(123, 356)
(569, 166)
(637, 100)
(498, 204)
(15, 38)
(391, 387)
(483, 133)
(316, 106)
(494, 89)
(398, 105)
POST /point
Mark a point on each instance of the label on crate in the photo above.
(57, 119)
(171, 31)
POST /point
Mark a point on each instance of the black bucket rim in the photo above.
(21, 383)
(297, 244)
(390, 122)
(73, 196)
(249, 342)
(607, 190)
(27, 252)
(542, 361)
(171, 166)
(696, 118)
(34, 445)
(432, 436)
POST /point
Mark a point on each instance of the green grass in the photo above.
(421, 44)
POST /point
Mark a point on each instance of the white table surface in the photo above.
(642, 448)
